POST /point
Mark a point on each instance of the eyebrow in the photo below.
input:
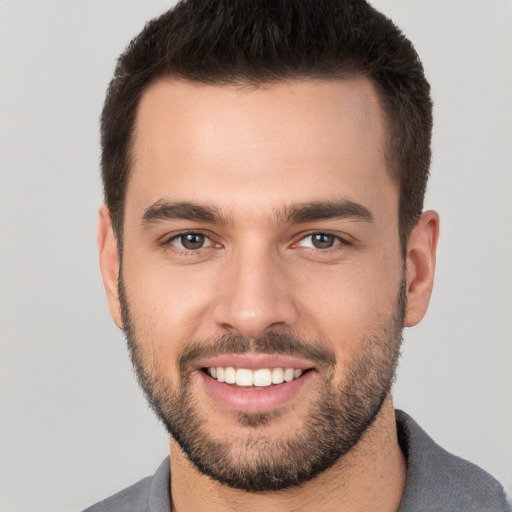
(164, 210)
(321, 210)
(185, 210)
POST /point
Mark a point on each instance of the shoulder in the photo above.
(132, 498)
(148, 495)
(440, 481)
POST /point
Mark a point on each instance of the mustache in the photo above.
(270, 343)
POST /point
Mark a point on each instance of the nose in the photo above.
(256, 295)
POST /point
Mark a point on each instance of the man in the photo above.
(263, 245)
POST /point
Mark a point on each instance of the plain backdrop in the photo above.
(74, 427)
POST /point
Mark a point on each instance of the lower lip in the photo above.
(254, 399)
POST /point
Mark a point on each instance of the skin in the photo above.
(251, 153)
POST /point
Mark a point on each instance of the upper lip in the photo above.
(254, 361)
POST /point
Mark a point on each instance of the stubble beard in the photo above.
(253, 462)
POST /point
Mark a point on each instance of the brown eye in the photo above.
(193, 241)
(190, 241)
(323, 240)
(320, 241)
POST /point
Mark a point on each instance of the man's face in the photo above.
(261, 239)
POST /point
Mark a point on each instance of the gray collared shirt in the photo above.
(436, 481)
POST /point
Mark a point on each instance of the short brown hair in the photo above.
(260, 41)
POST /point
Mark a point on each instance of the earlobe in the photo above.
(109, 263)
(421, 264)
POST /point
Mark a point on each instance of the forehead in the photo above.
(285, 142)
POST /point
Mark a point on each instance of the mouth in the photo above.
(261, 378)
(255, 383)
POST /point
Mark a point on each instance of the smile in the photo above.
(260, 378)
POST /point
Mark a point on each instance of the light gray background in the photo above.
(74, 427)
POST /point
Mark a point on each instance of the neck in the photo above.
(370, 477)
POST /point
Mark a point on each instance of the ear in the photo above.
(421, 264)
(109, 263)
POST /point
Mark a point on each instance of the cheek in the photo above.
(167, 308)
(347, 307)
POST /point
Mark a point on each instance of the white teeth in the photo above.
(288, 374)
(277, 376)
(229, 375)
(244, 377)
(263, 377)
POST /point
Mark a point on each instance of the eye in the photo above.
(191, 241)
(320, 241)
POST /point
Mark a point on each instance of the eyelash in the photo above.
(338, 241)
(182, 250)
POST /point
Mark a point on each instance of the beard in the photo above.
(254, 462)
